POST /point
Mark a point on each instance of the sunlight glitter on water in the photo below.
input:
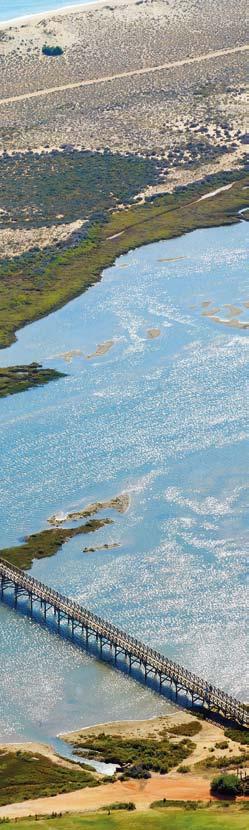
(163, 420)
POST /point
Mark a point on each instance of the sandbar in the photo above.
(111, 546)
(153, 333)
(120, 503)
(101, 349)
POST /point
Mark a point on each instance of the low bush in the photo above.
(136, 756)
(171, 802)
(119, 805)
(227, 786)
(25, 775)
(52, 51)
(188, 729)
(136, 772)
(239, 735)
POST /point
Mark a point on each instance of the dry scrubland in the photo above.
(157, 112)
(190, 118)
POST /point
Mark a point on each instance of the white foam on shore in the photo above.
(62, 10)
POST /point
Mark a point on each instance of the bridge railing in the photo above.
(159, 662)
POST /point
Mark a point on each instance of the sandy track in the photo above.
(142, 793)
(128, 74)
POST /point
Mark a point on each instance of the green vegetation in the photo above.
(52, 51)
(119, 805)
(236, 734)
(226, 761)
(227, 786)
(36, 283)
(64, 185)
(176, 818)
(47, 542)
(24, 775)
(189, 729)
(19, 378)
(136, 756)
(183, 769)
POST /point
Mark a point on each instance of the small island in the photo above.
(19, 378)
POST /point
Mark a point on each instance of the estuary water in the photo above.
(21, 8)
(163, 419)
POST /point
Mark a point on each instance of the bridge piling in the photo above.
(119, 642)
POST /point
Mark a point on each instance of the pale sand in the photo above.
(193, 786)
(209, 734)
(142, 793)
(210, 312)
(170, 259)
(233, 310)
(148, 70)
(153, 333)
(16, 241)
(233, 323)
(102, 349)
(41, 749)
(54, 13)
(120, 503)
(67, 356)
(214, 192)
(111, 546)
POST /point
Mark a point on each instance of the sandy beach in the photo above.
(192, 786)
(63, 10)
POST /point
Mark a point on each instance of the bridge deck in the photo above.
(153, 662)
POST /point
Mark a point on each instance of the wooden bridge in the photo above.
(197, 690)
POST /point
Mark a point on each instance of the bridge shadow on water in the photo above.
(105, 655)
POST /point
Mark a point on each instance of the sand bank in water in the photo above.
(119, 503)
(101, 349)
(111, 546)
(153, 333)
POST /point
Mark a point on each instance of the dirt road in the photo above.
(142, 793)
(147, 70)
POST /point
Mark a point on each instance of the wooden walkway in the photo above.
(107, 635)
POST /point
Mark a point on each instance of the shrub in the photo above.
(52, 51)
(188, 729)
(120, 805)
(183, 769)
(221, 745)
(136, 772)
(235, 734)
(225, 785)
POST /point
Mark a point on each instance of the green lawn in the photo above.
(172, 819)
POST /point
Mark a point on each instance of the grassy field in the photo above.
(24, 775)
(15, 379)
(214, 818)
(35, 283)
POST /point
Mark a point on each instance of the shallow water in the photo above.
(164, 420)
(21, 8)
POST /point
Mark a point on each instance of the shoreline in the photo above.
(189, 213)
(194, 786)
(35, 17)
